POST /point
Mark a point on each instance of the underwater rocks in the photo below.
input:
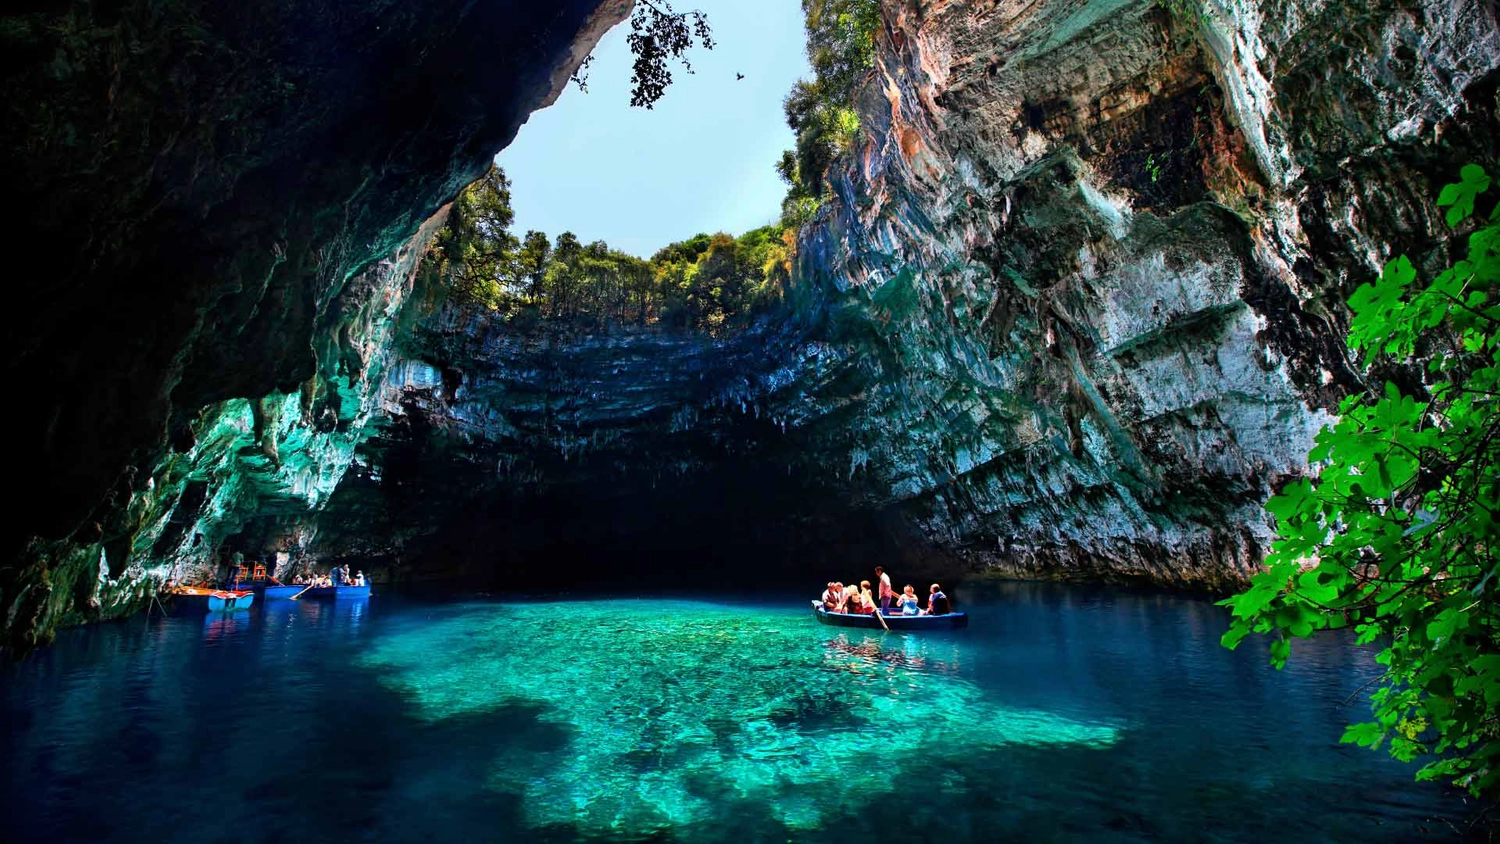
(207, 185)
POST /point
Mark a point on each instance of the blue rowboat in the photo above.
(199, 599)
(949, 621)
(269, 591)
(331, 592)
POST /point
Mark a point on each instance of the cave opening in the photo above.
(594, 399)
(997, 295)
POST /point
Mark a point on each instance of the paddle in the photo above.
(881, 616)
(299, 594)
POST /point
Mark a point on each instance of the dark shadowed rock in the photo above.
(201, 182)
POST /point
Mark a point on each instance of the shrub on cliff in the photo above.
(841, 50)
(1398, 534)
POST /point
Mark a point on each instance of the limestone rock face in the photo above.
(210, 187)
(1092, 257)
(1073, 310)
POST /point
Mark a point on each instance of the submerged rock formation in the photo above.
(1074, 309)
(210, 184)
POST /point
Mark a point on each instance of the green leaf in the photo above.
(1280, 649)
(1367, 734)
(1460, 197)
(1441, 629)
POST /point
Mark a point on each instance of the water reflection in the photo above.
(906, 653)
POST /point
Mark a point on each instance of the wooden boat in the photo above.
(950, 621)
(261, 583)
(329, 592)
(201, 599)
(268, 589)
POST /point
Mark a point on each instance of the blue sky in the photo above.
(702, 160)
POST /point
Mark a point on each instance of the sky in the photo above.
(703, 160)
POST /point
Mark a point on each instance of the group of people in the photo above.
(336, 576)
(841, 598)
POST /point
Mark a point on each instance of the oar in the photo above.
(299, 594)
(880, 616)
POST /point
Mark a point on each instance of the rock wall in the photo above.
(209, 186)
(1073, 310)
(567, 455)
(1092, 257)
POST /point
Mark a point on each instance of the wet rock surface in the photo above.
(1074, 310)
(207, 183)
(1095, 254)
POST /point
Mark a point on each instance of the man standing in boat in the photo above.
(887, 594)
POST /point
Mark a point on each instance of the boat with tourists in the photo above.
(338, 583)
(204, 599)
(893, 621)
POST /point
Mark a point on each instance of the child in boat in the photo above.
(866, 600)
(908, 602)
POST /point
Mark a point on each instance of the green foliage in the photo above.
(475, 252)
(658, 36)
(841, 43)
(1397, 534)
(841, 49)
(712, 283)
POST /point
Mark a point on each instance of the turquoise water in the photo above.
(1061, 714)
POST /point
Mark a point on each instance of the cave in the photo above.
(495, 398)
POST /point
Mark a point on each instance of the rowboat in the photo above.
(267, 589)
(329, 592)
(200, 599)
(948, 621)
(260, 582)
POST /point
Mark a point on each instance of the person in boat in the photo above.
(887, 594)
(908, 602)
(851, 598)
(830, 598)
(937, 602)
(866, 600)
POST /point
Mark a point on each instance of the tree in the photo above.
(708, 282)
(531, 262)
(841, 43)
(658, 36)
(1398, 534)
(841, 49)
(475, 251)
(561, 278)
